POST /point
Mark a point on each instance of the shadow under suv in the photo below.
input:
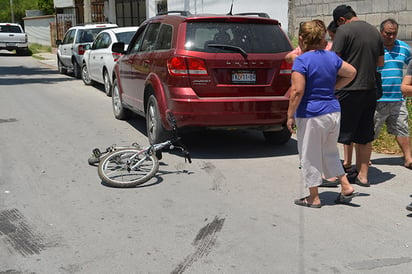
(214, 71)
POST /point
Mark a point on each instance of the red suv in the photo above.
(215, 71)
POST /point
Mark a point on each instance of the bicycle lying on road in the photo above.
(134, 165)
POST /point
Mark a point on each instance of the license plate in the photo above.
(243, 77)
(11, 44)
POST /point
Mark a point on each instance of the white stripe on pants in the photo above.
(317, 145)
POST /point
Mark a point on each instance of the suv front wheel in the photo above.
(156, 133)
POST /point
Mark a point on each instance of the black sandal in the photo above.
(345, 198)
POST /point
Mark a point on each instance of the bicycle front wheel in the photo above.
(127, 168)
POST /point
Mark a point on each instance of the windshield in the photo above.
(10, 29)
(88, 36)
(252, 38)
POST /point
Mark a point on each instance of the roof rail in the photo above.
(260, 14)
(181, 12)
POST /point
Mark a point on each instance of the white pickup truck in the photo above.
(12, 37)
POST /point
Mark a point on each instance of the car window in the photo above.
(137, 39)
(85, 36)
(102, 41)
(251, 37)
(164, 39)
(125, 37)
(10, 29)
(150, 37)
(96, 42)
(69, 37)
(105, 41)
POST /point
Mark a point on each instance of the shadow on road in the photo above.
(20, 75)
(328, 198)
(226, 144)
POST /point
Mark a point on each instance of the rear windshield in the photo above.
(125, 37)
(252, 38)
(88, 36)
(12, 29)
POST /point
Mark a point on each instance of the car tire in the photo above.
(156, 133)
(76, 70)
(107, 84)
(277, 137)
(86, 76)
(119, 111)
(60, 67)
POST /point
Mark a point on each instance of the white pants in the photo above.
(317, 145)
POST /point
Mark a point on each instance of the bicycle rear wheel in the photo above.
(115, 171)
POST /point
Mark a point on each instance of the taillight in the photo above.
(285, 68)
(80, 49)
(184, 66)
(116, 56)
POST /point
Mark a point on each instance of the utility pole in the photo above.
(11, 10)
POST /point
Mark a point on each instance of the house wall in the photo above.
(372, 11)
(38, 29)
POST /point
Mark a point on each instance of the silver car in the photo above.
(70, 51)
(98, 61)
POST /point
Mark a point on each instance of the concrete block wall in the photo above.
(372, 11)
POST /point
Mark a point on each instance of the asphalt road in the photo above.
(230, 211)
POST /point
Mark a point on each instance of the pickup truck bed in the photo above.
(12, 37)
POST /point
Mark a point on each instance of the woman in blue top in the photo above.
(315, 111)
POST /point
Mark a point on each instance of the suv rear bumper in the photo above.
(267, 113)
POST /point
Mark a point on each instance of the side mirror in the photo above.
(118, 48)
(59, 42)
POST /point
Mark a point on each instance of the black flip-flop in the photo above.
(345, 198)
(304, 202)
(359, 183)
(408, 166)
(326, 183)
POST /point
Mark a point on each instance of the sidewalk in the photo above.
(48, 58)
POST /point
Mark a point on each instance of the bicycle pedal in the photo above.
(97, 153)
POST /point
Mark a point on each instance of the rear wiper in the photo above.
(231, 48)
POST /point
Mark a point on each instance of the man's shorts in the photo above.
(357, 112)
(395, 115)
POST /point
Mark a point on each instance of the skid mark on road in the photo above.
(9, 120)
(16, 232)
(204, 241)
(218, 176)
(378, 263)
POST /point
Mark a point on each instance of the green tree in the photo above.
(47, 6)
(20, 7)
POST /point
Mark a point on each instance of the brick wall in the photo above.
(372, 11)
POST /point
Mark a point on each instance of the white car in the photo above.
(70, 50)
(98, 61)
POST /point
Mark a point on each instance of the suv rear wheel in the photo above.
(277, 137)
(119, 111)
(156, 133)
